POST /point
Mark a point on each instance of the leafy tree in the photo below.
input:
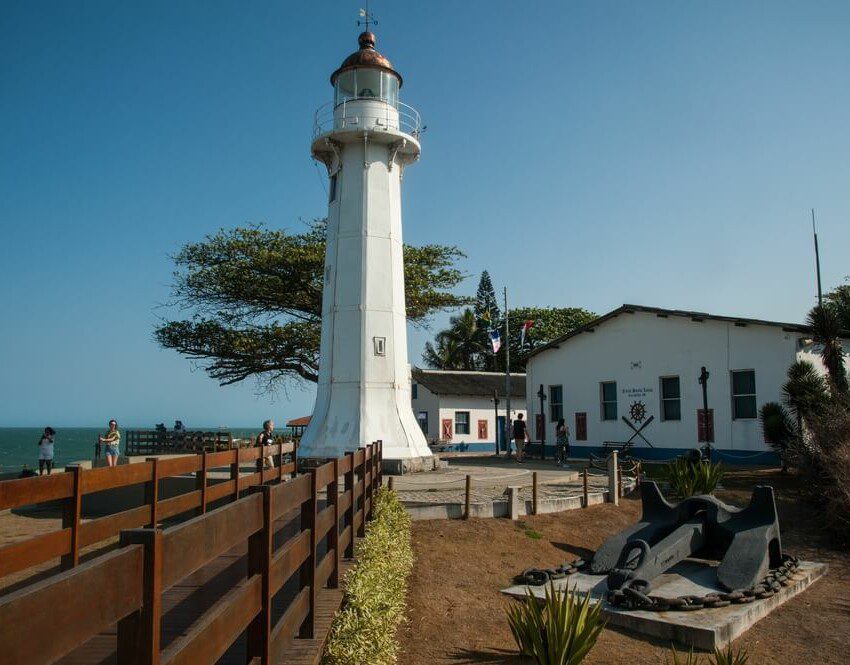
(839, 301)
(462, 347)
(256, 300)
(459, 346)
(805, 391)
(826, 331)
(779, 430)
(549, 324)
(487, 315)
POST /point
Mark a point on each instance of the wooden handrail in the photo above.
(127, 585)
(71, 487)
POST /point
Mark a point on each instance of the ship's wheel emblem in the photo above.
(637, 411)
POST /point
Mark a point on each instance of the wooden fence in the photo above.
(69, 488)
(45, 621)
(156, 442)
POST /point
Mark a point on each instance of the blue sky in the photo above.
(586, 153)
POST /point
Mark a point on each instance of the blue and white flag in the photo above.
(495, 340)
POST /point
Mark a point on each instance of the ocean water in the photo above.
(19, 445)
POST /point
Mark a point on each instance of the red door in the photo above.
(482, 429)
(581, 426)
(447, 429)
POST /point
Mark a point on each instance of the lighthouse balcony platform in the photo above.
(359, 115)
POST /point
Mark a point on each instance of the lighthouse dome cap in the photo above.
(366, 58)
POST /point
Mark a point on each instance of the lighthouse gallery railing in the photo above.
(350, 116)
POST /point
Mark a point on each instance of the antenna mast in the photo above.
(817, 258)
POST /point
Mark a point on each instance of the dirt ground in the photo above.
(456, 613)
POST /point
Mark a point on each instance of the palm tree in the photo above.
(826, 331)
(463, 334)
(445, 355)
(779, 430)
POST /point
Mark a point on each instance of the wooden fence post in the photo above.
(467, 492)
(333, 535)
(584, 487)
(152, 492)
(71, 512)
(390, 483)
(361, 500)
(308, 568)
(139, 633)
(259, 563)
(294, 458)
(234, 473)
(534, 493)
(352, 505)
(280, 462)
(380, 463)
(201, 484)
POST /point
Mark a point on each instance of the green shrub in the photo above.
(364, 630)
(561, 631)
(689, 479)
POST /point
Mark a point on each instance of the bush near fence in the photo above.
(364, 630)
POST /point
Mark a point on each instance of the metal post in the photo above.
(542, 396)
(703, 379)
(508, 422)
(496, 421)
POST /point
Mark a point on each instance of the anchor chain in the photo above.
(633, 596)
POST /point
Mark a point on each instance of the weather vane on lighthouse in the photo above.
(366, 137)
(368, 18)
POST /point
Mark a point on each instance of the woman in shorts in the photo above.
(45, 451)
(111, 439)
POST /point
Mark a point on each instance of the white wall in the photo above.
(635, 350)
(445, 407)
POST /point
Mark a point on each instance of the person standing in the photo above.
(520, 434)
(266, 438)
(562, 442)
(111, 439)
(45, 451)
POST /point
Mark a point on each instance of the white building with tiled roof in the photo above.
(455, 408)
(632, 375)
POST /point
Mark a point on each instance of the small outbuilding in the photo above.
(456, 411)
(632, 377)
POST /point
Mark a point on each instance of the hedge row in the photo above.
(364, 630)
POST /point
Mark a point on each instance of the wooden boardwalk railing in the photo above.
(69, 489)
(156, 442)
(50, 619)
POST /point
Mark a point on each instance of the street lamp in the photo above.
(542, 396)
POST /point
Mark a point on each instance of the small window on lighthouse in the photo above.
(332, 189)
(380, 345)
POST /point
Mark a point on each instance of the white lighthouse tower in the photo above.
(365, 137)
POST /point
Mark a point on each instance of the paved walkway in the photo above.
(491, 476)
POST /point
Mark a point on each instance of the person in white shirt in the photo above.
(45, 451)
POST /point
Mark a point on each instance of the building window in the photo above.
(422, 419)
(744, 394)
(380, 345)
(581, 426)
(556, 403)
(671, 398)
(461, 422)
(608, 398)
(414, 391)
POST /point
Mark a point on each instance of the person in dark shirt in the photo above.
(520, 434)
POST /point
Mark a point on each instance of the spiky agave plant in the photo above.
(561, 631)
(729, 657)
(689, 658)
(688, 478)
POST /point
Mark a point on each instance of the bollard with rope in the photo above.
(390, 483)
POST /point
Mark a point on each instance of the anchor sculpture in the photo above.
(745, 540)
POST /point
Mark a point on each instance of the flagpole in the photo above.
(817, 258)
(508, 423)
